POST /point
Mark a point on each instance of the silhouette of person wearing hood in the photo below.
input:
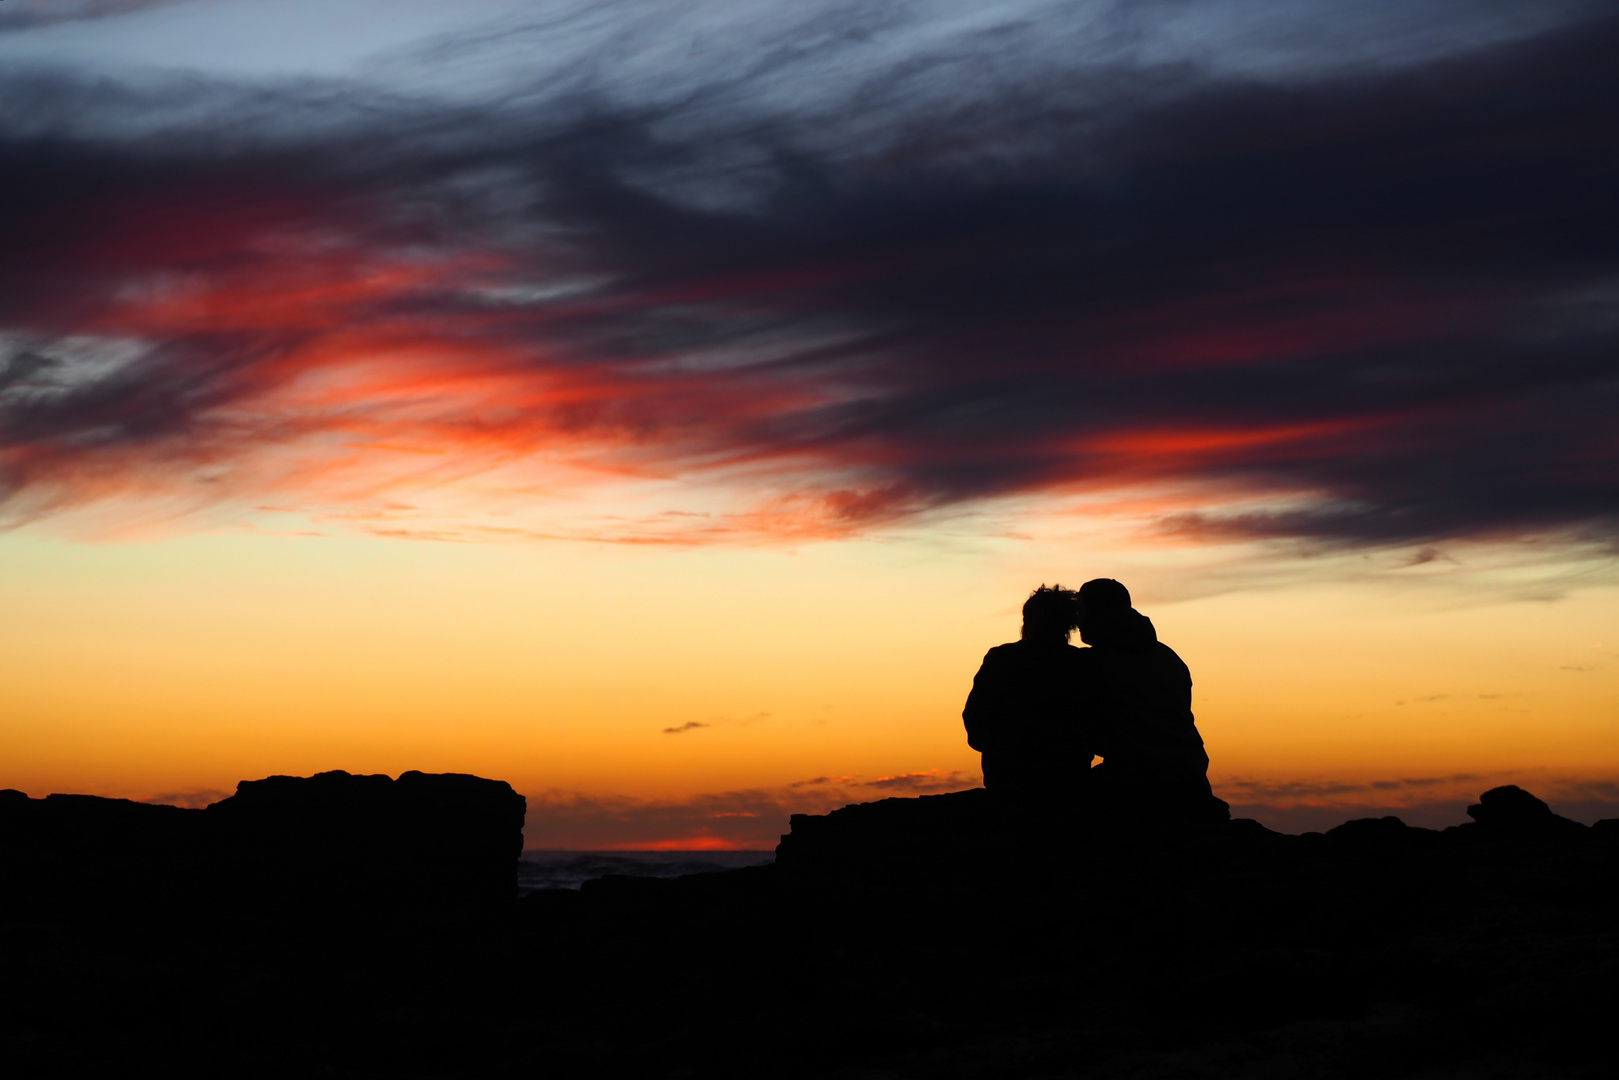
(1025, 714)
(1153, 765)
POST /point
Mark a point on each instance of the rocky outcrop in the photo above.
(948, 936)
(943, 936)
(968, 831)
(896, 836)
(327, 847)
(65, 854)
(340, 843)
(1512, 814)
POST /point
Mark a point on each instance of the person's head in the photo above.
(1100, 600)
(1048, 614)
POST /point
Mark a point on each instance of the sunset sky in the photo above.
(664, 405)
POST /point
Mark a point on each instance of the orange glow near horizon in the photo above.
(712, 691)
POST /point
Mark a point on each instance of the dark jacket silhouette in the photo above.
(1026, 716)
(1153, 761)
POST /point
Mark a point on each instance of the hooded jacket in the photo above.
(1143, 698)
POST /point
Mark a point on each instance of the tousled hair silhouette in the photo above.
(1050, 611)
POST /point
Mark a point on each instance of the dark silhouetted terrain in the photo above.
(357, 926)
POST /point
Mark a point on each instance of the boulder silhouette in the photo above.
(1510, 812)
(896, 836)
(328, 847)
(336, 842)
(1382, 836)
(79, 853)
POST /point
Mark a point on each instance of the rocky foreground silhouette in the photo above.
(345, 925)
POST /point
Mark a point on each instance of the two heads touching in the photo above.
(1098, 609)
(1041, 711)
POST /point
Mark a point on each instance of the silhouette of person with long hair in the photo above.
(1154, 766)
(1025, 713)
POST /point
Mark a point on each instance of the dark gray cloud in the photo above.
(195, 800)
(1258, 790)
(26, 14)
(899, 272)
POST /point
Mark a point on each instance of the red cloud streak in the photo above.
(1344, 291)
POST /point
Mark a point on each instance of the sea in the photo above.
(538, 870)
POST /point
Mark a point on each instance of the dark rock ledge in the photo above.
(331, 846)
(361, 926)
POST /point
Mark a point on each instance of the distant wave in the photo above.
(571, 869)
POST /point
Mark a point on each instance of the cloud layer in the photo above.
(836, 270)
(754, 819)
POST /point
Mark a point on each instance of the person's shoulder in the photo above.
(1004, 652)
(1171, 658)
(1164, 650)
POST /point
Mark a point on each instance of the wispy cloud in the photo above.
(933, 780)
(194, 800)
(689, 725)
(1429, 801)
(811, 277)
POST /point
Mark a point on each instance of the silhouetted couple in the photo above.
(1040, 710)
